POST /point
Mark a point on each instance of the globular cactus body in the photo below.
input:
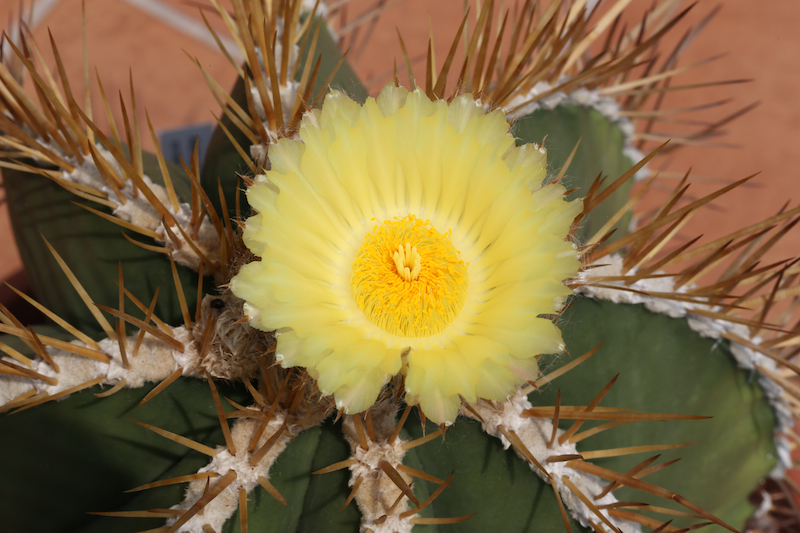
(253, 443)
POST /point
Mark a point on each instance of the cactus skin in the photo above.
(486, 477)
(102, 453)
(38, 209)
(600, 149)
(665, 366)
(83, 452)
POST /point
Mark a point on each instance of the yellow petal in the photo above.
(452, 168)
(391, 99)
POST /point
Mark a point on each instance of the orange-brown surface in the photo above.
(759, 39)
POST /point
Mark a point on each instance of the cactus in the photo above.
(230, 408)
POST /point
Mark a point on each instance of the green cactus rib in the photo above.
(93, 248)
(484, 498)
(600, 150)
(665, 366)
(469, 481)
(80, 454)
(645, 348)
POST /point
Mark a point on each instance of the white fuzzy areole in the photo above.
(154, 362)
(745, 357)
(288, 94)
(535, 434)
(138, 210)
(221, 508)
(377, 492)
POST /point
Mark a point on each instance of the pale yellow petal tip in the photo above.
(526, 155)
(359, 394)
(462, 109)
(395, 198)
(338, 104)
(311, 119)
(391, 99)
(284, 158)
(355, 400)
(438, 408)
(255, 315)
(558, 303)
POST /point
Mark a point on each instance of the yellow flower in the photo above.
(408, 235)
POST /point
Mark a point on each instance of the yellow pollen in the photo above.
(408, 279)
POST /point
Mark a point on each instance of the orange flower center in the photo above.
(408, 279)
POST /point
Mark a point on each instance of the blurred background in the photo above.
(151, 42)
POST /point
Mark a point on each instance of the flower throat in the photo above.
(408, 279)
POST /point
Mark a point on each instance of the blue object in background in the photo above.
(179, 142)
